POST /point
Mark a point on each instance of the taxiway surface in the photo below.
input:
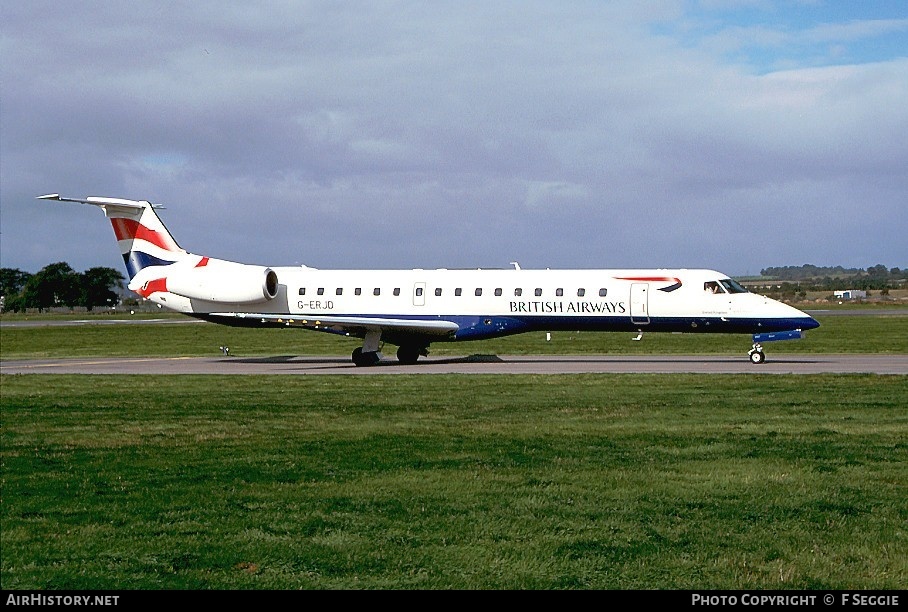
(473, 364)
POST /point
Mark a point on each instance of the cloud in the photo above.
(399, 134)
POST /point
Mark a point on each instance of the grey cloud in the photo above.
(410, 135)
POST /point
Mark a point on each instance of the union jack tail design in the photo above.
(142, 237)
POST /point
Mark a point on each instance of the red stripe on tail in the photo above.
(133, 230)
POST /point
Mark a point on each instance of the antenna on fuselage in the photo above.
(516, 265)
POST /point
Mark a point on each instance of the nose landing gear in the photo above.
(756, 354)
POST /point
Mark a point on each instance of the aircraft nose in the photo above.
(810, 323)
(805, 321)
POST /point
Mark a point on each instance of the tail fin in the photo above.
(142, 237)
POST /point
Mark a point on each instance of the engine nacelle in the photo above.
(224, 281)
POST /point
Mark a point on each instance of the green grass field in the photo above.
(753, 481)
(837, 334)
(455, 482)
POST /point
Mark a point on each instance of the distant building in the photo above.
(850, 294)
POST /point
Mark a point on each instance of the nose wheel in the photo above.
(756, 354)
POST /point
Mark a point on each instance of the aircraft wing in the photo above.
(355, 326)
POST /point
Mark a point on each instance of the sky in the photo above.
(733, 135)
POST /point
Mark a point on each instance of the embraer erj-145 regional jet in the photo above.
(414, 308)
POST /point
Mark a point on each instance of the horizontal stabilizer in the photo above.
(96, 201)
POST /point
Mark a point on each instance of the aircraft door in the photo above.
(640, 303)
(419, 294)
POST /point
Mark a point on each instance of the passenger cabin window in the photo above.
(321, 291)
(538, 292)
(302, 291)
(339, 291)
(732, 286)
(559, 292)
(478, 292)
(376, 291)
(518, 292)
(458, 292)
(603, 292)
(418, 291)
(358, 291)
(581, 292)
(498, 291)
(438, 291)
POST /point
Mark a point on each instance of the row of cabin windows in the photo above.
(340, 291)
(518, 292)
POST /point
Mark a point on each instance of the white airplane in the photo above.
(414, 308)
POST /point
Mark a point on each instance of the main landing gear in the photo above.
(756, 354)
(406, 355)
(365, 358)
(369, 353)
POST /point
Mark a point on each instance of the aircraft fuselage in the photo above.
(414, 308)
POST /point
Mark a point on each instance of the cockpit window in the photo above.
(712, 287)
(732, 286)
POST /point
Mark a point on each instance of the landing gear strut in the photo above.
(756, 354)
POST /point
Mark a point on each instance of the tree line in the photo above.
(821, 277)
(58, 285)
